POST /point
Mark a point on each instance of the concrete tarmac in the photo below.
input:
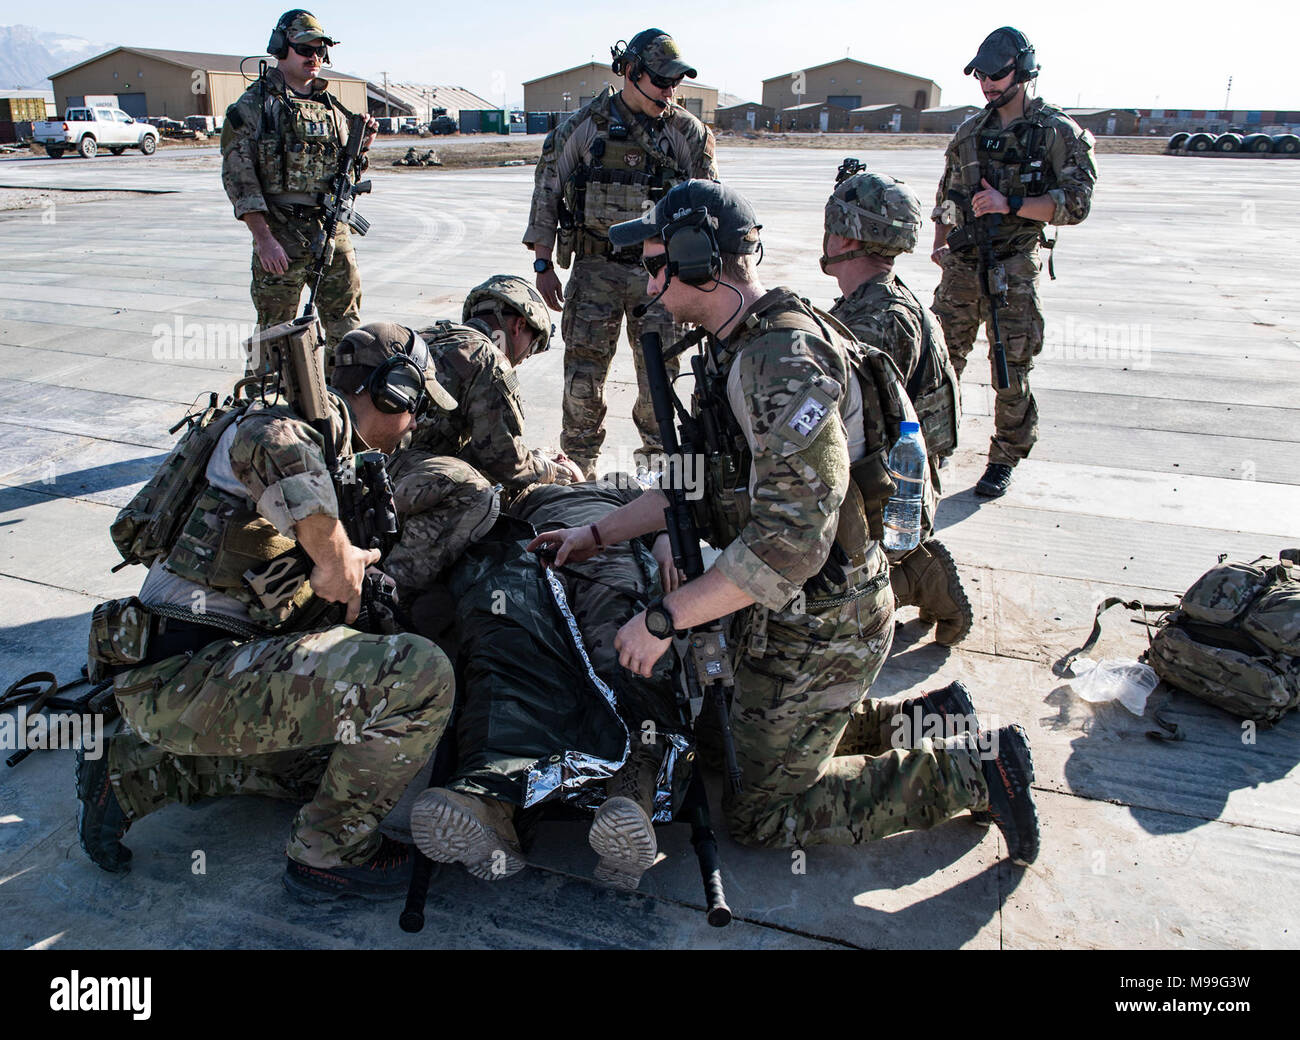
(1167, 393)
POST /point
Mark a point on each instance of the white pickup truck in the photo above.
(87, 130)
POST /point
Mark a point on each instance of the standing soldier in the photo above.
(806, 415)
(1011, 169)
(606, 163)
(280, 147)
(870, 219)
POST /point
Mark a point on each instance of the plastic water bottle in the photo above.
(903, 511)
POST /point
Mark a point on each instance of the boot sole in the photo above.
(940, 551)
(447, 833)
(305, 892)
(624, 839)
(120, 864)
(1029, 811)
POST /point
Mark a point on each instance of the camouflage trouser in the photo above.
(599, 293)
(961, 305)
(445, 505)
(278, 297)
(791, 707)
(242, 718)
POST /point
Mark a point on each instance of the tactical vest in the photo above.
(442, 432)
(626, 169)
(299, 144)
(1014, 159)
(200, 532)
(933, 386)
(724, 508)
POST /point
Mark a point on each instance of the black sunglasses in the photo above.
(306, 50)
(982, 76)
(654, 264)
(662, 83)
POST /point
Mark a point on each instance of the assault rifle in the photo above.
(338, 205)
(361, 482)
(978, 231)
(850, 167)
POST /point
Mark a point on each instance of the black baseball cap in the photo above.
(999, 51)
(729, 212)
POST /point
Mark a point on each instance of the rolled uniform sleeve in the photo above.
(239, 158)
(705, 165)
(781, 390)
(495, 415)
(1071, 156)
(280, 462)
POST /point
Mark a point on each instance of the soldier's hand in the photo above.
(338, 577)
(990, 200)
(668, 572)
(638, 650)
(271, 254)
(548, 284)
(569, 469)
(372, 128)
(940, 254)
(568, 543)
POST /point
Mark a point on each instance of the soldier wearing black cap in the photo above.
(804, 418)
(607, 163)
(1015, 167)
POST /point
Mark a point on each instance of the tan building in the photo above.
(177, 84)
(815, 117)
(884, 119)
(946, 120)
(748, 115)
(849, 84)
(1107, 121)
(569, 90)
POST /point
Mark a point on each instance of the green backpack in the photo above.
(1234, 639)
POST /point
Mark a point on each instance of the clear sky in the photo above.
(1108, 53)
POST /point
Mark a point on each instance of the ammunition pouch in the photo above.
(853, 532)
(875, 487)
(120, 633)
(723, 511)
(564, 243)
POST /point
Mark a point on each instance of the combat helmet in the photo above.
(876, 209)
(507, 294)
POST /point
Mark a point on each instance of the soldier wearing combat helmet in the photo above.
(806, 414)
(280, 147)
(1010, 170)
(604, 164)
(870, 219)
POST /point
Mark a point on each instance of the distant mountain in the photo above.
(28, 55)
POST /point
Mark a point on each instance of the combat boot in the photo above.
(455, 827)
(623, 833)
(996, 480)
(385, 875)
(1011, 801)
(951, 702)
(100, 819)
(927, 578)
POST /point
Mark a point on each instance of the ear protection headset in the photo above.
(1026, 60)
(692, 248)
(278, 45)
(396, 384)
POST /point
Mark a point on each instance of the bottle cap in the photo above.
(904, 428)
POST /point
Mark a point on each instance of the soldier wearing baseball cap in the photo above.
(804, 418)
(871, 218)
(1011, 170)
(602, 165)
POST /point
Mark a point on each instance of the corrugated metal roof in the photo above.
(420, 97)
(877, 108)
(853, 61)
(952, 108)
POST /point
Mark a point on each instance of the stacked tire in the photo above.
(1286, 144)
(1199, 143)
(1180, 139)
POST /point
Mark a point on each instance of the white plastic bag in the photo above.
(1129, 682)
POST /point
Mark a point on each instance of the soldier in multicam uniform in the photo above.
(870, 219)
(801, 408)
(446, 481)
(232, 696)
(602, 165)
(280, 147)
(1026, 164)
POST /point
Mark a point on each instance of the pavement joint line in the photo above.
(1190, 528)
(1167, 812)
(87, 436)
(122, 191)
(48, 585)
(27, 486)
(113, 357)
(774, 926)
(110, 393)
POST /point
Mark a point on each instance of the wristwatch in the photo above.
(658, 621)
(1014, 203)
(541, 266)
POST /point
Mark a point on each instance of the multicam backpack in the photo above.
(1234, 640)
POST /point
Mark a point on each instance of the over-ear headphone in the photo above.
(1026, 60)
(278, 45)
(692, 248)
(397, 383)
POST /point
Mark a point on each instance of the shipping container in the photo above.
(22, 109)
(539, 122)
(493, 121)
(7, 135)
(470, 120)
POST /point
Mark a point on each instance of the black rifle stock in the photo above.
(707, 665)
(979, 232)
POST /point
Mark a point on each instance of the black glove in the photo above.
(832, 572)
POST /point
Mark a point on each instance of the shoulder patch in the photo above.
(809, 410)
(233, 116)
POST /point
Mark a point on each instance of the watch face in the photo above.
(541, 266)
(658, 623)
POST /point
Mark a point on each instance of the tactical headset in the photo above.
(396, 384)
(692, 248)
(1026, 60)
(278, 45)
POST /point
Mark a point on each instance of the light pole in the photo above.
(567, 98)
